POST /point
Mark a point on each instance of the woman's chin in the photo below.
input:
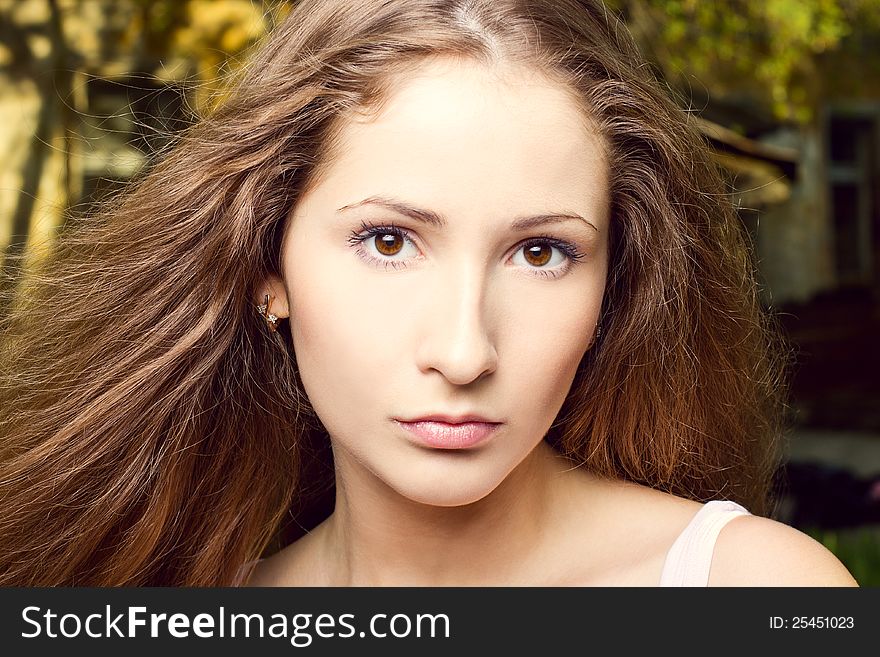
(443, 491)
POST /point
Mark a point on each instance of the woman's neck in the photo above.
(378, 537)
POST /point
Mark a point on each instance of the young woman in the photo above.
(447, 292)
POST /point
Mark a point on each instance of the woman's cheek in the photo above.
(549, 346)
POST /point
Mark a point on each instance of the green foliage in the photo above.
(766, 48)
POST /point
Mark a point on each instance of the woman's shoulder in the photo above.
(638, 507)
(749, 550)
(638, 525)
(757, 551)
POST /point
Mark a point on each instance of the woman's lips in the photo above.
(446, 435)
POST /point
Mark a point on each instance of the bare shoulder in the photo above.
(640, 507)
(750, 550)
(637, 524)
(757, 551)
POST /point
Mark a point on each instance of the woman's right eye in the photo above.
(388, 246)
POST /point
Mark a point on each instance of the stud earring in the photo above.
(597, 334)
(271, 320)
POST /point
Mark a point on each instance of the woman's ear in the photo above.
(274, 287)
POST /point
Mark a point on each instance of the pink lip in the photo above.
(450, 435)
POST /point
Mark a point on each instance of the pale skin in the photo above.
(474, 316)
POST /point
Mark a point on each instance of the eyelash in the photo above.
(368, 230)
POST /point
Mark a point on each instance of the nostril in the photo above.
(459, 362)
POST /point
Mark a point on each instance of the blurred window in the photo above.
(854, 179)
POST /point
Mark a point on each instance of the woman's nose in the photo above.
(456, 339)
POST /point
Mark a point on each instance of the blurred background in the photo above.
(786, 91)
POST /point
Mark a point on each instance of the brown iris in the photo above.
(389, 244)
(538, 254)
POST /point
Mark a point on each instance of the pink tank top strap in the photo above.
(690, 557)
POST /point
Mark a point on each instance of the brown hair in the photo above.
(155, 433)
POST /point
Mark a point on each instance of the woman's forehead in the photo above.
(457, 132)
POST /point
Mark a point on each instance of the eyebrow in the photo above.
(432, 218)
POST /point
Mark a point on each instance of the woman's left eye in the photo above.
(547, 256)
(542, 254)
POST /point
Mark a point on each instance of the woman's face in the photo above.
(451, 261)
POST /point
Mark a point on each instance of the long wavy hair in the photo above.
(155, 433)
